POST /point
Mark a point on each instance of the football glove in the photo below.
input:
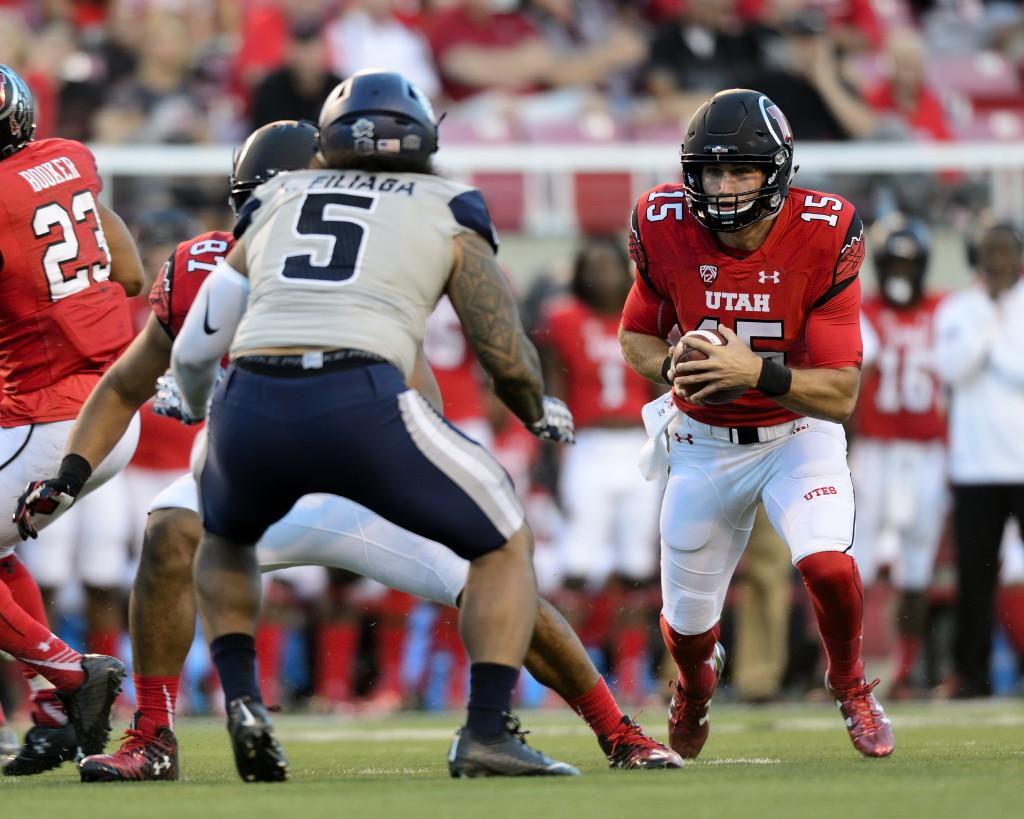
(168, 401)
(556, 424)
(52, 495)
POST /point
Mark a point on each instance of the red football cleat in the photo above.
(148, 753)
(869, 728)
(629, 747)
(688, 726)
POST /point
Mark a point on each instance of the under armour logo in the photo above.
(45, 646)
(687, 438)
(764, 276)
(162, 764)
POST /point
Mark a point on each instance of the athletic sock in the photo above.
(31, 643)
(833, 581)
(598, 708)
(692, 654)
(234, 655)
(157, 698)
(490, 697)
(24, 589)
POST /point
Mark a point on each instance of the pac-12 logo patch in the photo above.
(708, 274)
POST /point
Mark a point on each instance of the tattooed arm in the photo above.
(489, 315)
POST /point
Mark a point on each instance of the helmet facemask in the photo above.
(729, 212)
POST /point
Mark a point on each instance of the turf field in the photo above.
(791, 762)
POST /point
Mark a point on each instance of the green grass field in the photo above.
(794, 761)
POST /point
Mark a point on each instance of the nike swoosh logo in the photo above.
(206, 321)
(248, 720)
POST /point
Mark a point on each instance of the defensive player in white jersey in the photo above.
(322, 303)
(321, 529)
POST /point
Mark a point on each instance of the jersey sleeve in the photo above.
(646, 312)
(160, 295)
(833, 330)
(847, 264)
(469, 210)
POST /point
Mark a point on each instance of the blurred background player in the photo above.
(68, 262)
(609, 542)
(979, 338)
(899, 455)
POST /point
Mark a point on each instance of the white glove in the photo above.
(168, 401)
(556, 424)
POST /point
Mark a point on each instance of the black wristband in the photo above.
(76, 471)
(775, 379)
(666, 365)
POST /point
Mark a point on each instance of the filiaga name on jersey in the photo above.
(795, 299)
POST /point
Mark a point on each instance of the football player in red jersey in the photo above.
(899, 456)
(774, 268)
(611, 512)
(67, 262)
(163, 607)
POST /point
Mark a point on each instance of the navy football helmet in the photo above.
(286, 145)
(17, 112)
(737, 126)
(377, 112)
(901, 246)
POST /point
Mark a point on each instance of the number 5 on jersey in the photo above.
(327, 225)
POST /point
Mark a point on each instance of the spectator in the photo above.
(371, 34)
(479, 48)
(802, 77)
(160, 101)
(695, 54)
(980, 337)
(298, 88)
(904, 94)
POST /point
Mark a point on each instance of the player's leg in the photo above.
(706, 517)
(809, 499)
(926, 466)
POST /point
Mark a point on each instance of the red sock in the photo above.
(103, 642)
(692, 653)
(26, 640)
(598, 708)
(269, 651)
(833, 581)
(909, 646)
(24, 589)
(1010, 605)
(338, 644)
(157, 698)
(629, 664)
(47, 710)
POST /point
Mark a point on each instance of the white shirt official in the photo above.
(980, 356)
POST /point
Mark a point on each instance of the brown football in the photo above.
(684, 352)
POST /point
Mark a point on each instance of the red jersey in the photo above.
(454, 365)
(901, 396)
(599, 385)
(62, 321)
(795, 299)
(165, 443)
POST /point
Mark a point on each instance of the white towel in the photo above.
(657, 415)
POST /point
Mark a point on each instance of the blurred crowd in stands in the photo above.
(208, 71)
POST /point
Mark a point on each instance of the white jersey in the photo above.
(350, 259)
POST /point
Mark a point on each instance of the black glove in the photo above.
(556, 424)
(52, 495)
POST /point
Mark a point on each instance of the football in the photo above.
(684, 352)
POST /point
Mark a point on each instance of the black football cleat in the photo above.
(148, 754)
(504, 755)
(89, 705)
(43, 750)
(258, 757)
